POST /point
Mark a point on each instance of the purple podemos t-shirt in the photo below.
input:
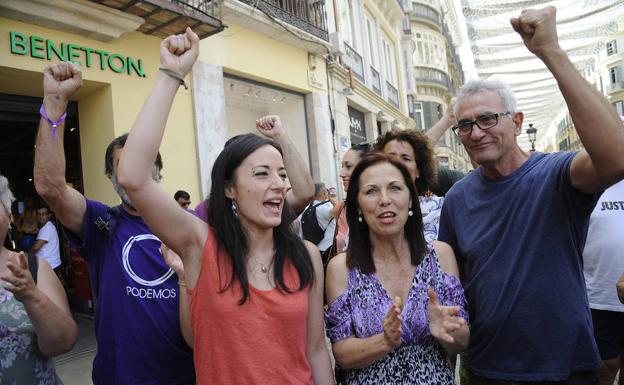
(137, 321)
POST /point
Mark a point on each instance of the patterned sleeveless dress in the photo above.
(360, 310)
(21, 362)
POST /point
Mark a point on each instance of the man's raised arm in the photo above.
(60, 82)
(601, 163)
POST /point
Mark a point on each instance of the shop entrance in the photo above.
(19, 120)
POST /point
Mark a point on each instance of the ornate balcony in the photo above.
(431, 76)
(169, 17)
(427, 14)
(393, 95)
(307, 15)
(353, 60)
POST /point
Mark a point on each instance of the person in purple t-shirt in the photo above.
(137, 314)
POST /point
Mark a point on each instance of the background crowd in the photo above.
(401, 276)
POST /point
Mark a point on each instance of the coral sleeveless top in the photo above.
(262, 341)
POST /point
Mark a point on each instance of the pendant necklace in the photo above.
(263, 267)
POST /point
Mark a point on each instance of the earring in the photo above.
(234, 209)
(360, 218)
(410, 212)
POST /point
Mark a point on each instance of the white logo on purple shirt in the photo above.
(126, 261)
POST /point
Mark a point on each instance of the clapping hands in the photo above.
(443, 320)
(392, 325)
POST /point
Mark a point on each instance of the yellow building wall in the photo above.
(255, 56)
(108, 104)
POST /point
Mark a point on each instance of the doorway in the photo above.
(19, 121)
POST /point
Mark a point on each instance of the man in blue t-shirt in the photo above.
(518, 223)
(137, 321)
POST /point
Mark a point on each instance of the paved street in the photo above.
(74, 367)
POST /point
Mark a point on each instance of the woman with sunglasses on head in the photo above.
(396, 306)
(35, 321)
(255, 289)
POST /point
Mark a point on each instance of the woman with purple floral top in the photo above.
(396, 306)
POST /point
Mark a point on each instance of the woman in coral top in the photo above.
(255, 289)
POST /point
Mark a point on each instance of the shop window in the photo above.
(246, 101)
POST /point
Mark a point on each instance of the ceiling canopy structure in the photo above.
(582, 27)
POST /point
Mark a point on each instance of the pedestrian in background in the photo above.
(27, 226)
(603, 262)
(317, 224)
(35, 321)
(47, 244)
(183, 198)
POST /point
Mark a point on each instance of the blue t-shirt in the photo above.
(518, 241)
(137, 323)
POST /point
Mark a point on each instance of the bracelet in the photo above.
(54, 124)
(183, 284)
(174, 75)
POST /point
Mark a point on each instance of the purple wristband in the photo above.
(60, 120)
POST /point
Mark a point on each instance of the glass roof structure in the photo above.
(582, 27)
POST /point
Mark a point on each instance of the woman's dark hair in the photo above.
(446, 179)
(359, 251)
(361, 148)
(423, 152)
(229, 233)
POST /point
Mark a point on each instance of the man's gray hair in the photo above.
(318, 188)
(6, 196)
(494, 85)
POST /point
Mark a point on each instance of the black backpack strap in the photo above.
(33, 265)
(112, 218)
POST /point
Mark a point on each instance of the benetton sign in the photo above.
(41, 48)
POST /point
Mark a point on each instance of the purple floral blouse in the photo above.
(360, 310)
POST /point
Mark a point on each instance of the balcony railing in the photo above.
(375, 81)
(426, 12)
(393, 95)
(307, 15)
(354, 61)
(169, 17)
(431, 75)
(615, 86)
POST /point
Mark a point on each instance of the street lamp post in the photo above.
(532, 133)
